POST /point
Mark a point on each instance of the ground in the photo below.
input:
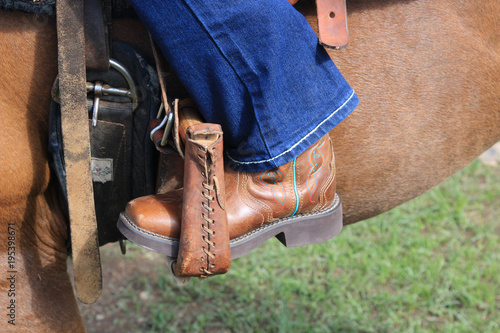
(431, 265)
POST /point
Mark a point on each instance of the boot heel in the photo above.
(313, 229)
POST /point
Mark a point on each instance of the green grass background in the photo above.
(431, 265)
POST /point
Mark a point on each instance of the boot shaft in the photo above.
(304, 185)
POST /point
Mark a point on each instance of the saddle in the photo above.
(73, 33)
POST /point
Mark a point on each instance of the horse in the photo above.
(427, 74)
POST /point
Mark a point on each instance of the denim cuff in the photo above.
(312, 134)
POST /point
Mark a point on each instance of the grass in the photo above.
(431, 265)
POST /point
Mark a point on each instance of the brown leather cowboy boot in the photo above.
(296, 203)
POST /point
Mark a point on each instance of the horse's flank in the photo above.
(427, 74)
(428, 77)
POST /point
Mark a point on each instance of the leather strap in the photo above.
(162, 70)
(175, 131)
(332, 23)
(75, 131)
(204, 240)
(96, 37)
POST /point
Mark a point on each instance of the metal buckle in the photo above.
(167, 121)
(99, 89)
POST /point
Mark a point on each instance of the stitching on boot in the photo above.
(333, 206)
(312, 170)
(244, 194)
(331, 179)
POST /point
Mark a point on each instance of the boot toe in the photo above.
(157, 214)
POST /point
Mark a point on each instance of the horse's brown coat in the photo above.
(427, 74)
(428, 77)
(43, 294)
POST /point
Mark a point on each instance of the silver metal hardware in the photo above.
(123, 71)
(167, 122)
(97, 98)
(100, 89)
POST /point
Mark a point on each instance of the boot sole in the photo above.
(298, 230)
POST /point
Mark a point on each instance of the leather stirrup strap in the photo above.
(162, 70)
(97, 43)
(75, 131)
(332, 23)
(204, 241)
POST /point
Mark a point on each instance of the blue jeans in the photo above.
(256, 68)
